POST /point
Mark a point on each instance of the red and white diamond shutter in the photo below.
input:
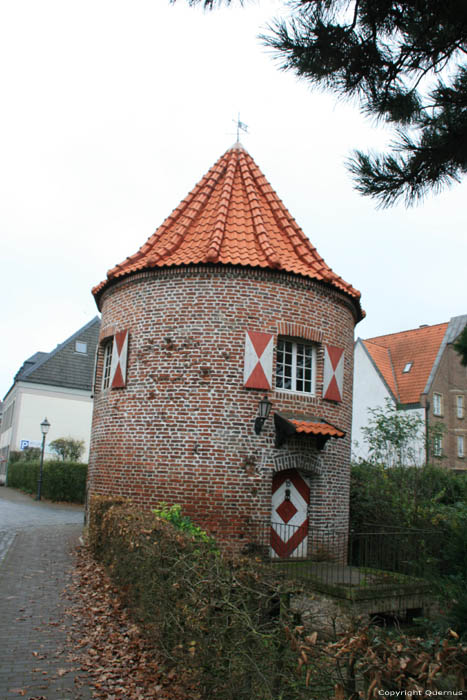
(333, 379)
(289, 516)
(119, 360)
(257, 373)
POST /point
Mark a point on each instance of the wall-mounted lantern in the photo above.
(264, 409)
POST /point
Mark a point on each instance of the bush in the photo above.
(61, 481)
(228, 624)
(224, 620)
(68, 449)
(427, 498)
(402, 497)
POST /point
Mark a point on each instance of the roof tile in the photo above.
(391, 353)
(312, 428)
(232, 216)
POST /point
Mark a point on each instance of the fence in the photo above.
(343, 558)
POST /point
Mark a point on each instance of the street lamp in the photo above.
(45, 425)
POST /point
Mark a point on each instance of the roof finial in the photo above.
(240, 126)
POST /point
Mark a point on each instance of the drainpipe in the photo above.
(427, 436)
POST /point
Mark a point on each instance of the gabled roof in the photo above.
(232, 217)
(392, 353)
(455, 328)
(381, 357)
(63, 367)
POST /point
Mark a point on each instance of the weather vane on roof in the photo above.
(241, 126)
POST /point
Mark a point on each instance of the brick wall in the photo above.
(450, 381)
(181, 431)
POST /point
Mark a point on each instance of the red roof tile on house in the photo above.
(382, 359)
(392, 353)
(232, 217)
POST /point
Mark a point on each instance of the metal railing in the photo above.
(343, 558)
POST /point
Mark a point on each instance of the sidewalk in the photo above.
(33, 574)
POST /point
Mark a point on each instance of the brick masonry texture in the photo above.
(450, 381)
(181, 431)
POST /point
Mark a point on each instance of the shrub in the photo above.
(228, 624)
(393, 436)
(68, 449)
(61, 481)
(223, 619)
(173, 514)
(428, 498)
(402, 497)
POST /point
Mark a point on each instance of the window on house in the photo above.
(7, 419)
(460, 446)
(437, 404)
(407, 367)
(438, 446)
(460, 406)
(81, 347)
(107, 363)
(295, 366)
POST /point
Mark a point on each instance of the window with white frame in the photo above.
(460, 446)
(108, 346)
(460, 406)
(437, 404)
(295, 366)
(438, 446)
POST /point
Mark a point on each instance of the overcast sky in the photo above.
(113, 110)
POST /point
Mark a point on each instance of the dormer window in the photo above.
(81, 347)
(407, 367)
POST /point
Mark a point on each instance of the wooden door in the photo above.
(289, 515)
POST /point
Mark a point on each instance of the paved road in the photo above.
(36, 539)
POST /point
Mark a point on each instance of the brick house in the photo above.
(225, 304)
(56, 385)
(419, 371)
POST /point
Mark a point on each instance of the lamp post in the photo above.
(45, 425)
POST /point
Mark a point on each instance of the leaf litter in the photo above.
(109, 649)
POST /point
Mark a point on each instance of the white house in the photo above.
(56, 385)
(420, 372)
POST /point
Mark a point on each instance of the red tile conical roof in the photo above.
(232, 217)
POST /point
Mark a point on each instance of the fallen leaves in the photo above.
(109, 647)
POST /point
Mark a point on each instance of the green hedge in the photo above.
(61, 481)
(403, 497)
(223, 620)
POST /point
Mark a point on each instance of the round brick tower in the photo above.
(225, 304)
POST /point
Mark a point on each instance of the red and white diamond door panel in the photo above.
(289, 515)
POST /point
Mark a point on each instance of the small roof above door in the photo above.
(319, 428)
